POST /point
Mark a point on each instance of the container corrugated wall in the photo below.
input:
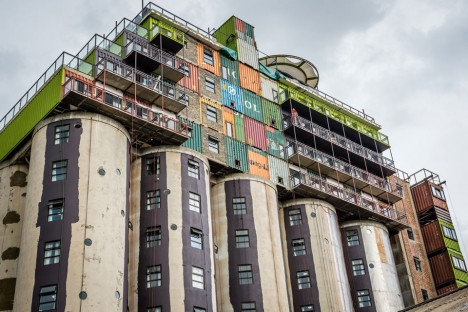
(269, 88)
(247, 53)
(258, 162)
(191, 81)
(423, 198)
(249, 78)
(231, 96)
(255, 133)
(230, 70)
(236, 154)
(239, 126)
(279, 171)
(195, 141)
(276, 142)
(441, 267)
(432, 237)
(211, 68)
(228, 118)
(272, 114)
(252, 105)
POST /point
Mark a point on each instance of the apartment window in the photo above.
(213, 145)
(197, 309)
(153, 200)
(458, 263)
(194, 202)
(153, 165)
(196, 238)
(295, 217)
(210, 84)
(245, 274)
(449, 232)
(275, 95)
(193, 169)
(439, 193)
(153, 236)
(154, 309)
(242, 239)
(410, 233)
(358, 267)
(238, 205)
(197, 278)
(417, 264)
(52, 252)
(364, 298)
(62, 134)
(48, 298)
(208, 56)
(224, 72)
(229, 129)
(307, 308)
(248, 307)
(55, 210)
(298, 246)
(211, 113)
(153, 276)
(186, 70)
(59, 170)
(425, 295)
(303, 279)
(352, 238)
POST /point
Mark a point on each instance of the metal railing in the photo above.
(64, 59)
(100, 42)
(128, 25)
(349, 196)
(293, 147)
(129, 107)
(338, 140)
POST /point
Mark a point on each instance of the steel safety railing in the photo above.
(102, 43)
(128, 25)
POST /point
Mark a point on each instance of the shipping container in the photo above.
(450, 240)
(208, 59)
(441, 268)
(239, 126)
(191, 78)
(443, 290)
(423, 198)
(228, 123)
(269, 88)
(258, 162)
(279, 171)
(236, 154)
(432, 236)
(255, 134)
(276, 142)
(229, 70)
(252, 105)
(195, 140)
(249, 78)
(247, 53)
(239, 25)
(231, 96)
(272, 114)
(460, 275)
(233, 30)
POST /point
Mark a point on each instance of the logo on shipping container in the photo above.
(259, 165)
(249, 105)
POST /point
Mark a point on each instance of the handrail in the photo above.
(330, 161)
(126, 24)
(98, 41)
(338, 140)
(133, 108)
(65, 59)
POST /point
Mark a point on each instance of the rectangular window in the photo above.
(224, 72)
(197, 309)
(303, 279)
(208, 56)
(449, 232)
(213, 145)
(425, 295)
(153, 236)
(248, 307)
(194, 202)
(417, 264)
(229, 128)
(186, 70)
(295, 217)
(210, 84)
(459, 263)
(196, 238)
(198, 278)
(439, 193)
(62, 134)
(193, 169)
(52, 252)
(245, 274)
(242, 239)
(211, 113)
(238, 205)
(352, 237)
(55, 209)
(358, 267)
(153, 276)
(275, 95)
(364, 298)
(307, 308)
(153, 200)
(153, 165)
(410, 233)
(298, 246)
(154, 309)
(59, 170)
(48, 298)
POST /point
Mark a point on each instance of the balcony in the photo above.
(308, 157)
(166, 37)
(351, 204)
(148, 126)
(150, 88)
(304, 128)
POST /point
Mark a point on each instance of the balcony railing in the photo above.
(338, 140)
(128, 25)
(349, 196)
(102, 43)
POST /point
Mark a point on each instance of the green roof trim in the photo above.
(229, 53)
(273, 74)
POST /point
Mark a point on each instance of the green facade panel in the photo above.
(252, 105)
(239, 126)
(195, 141)
(450, 243)
(276, 142)
(236, 154)
(271, 114)
(461, 276)
(226, 34)
(229, 70)
(163, 29)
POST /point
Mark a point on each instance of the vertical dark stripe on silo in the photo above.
(127, 220)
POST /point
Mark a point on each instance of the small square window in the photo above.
(59, 170)
(208, 56)
(213, 145)
(280, 180)
(242, 239)
(153, 165)
(238, 205)
(198, 278)
(62, 134)
(364, 298)
(307, 308)
(439, 193)
(295, 217)
(245, 274)
(154, 309)
(193, 169)
(237, 163)
(425, 295)
(211, 113)
(229, 129)
(52, 252)
(196, 238)
(248, 307)
(210, 84)
(194, 202)
(410, 233)
(55, 210)
(153, 276)
(299, 248)
(303, 279)
(48, 298)
(153, 236)
(417, 264)
(358, 267)
(153, 200)
(352, 238)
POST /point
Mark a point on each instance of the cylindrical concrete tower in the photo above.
(75, 228)
(249, 263)
(371, 268)
(171, 262)
(314, 256)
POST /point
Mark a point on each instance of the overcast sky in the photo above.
(404, 62)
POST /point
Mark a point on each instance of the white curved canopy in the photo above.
(293, 66)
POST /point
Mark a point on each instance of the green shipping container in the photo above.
(224, 32)
(195, 141)
(252, 105)
(239, 126)
(271, 114)
(276, 142)
(236, 154)
(229, 70)
(450, 243)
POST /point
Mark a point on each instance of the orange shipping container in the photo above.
(215, 66)
(249, 78)
(191, 80)
(258, 163)
(228, 118)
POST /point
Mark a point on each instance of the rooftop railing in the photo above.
(98, 41)
(126, 24)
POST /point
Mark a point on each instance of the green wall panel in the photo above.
(239, 126)
(271, 114)
(276, 142)
(195, 141)
(236, 150)
(460, 275)
(231, 73)
(450, 243)
(252, 105)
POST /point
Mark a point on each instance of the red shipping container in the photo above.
(441, 268)
(239, 25)
(191, 81)
(432, 237)
(255, 133)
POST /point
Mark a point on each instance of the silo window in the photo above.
(238, 205)
(242, 239)
(245, 274)
(197, 309)
(153, 165)
(62, 134)
(154, 309)
(198, 279)
(55, 210)
(364, 298)
(248, 307)
(358, 267)
(196, 238)
(48, 298)
(410, 234)
(59, 170)
(153, 236)
(352, 237)
(52, 252)
(307, 308)
(193, 169)
(417, 264)
(194, 202)
(299, 247)
(153, 200)
(303, 279)
(153, 276)
(295, 217)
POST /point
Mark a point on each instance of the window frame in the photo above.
(153, 199)
(364, 293)
(46, 293)
(358, 267)
(229, 129)
(59, 170)
(245, 274)
(450, 233)
(153, 165)
(52, 251)
(438, 193)
(198, 277)
(247, 306)
(211, 113)
(194, 242)
(194, 202)
(299, 247)
(417, 264)
(307, 308)
(352, 238)
(410, 233)
(242, 238)
(295, 216)
(213, 145)
(425, 294)
(62, 134)
(210, 84)
(208, 56)
(153, 236)
(154, 309)
(459, 263)
(153, 276)
(198, 309)
(55, 208)
(239, 205)
(193, 169)
(303, 279)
